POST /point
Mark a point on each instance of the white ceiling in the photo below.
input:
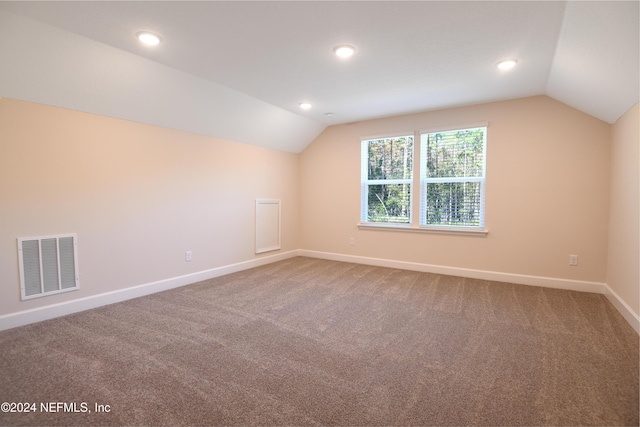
(238, 69)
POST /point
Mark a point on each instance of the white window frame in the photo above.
(366, 182)
(424, 180)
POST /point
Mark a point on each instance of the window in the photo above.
(387, 175)
(452, 178)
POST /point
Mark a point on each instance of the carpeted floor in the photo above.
(315, 342)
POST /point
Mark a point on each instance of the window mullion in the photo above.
(387, 181)
(416, 196)
(454, 179)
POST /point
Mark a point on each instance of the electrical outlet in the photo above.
(573, 260)
(187, 256)
(352, 241)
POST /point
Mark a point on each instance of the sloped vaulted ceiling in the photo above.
(237, 70)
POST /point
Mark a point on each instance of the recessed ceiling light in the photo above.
(305, 105)
(507, 64)
(344, 51)
(148, 38)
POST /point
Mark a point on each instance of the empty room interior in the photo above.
(319, 213)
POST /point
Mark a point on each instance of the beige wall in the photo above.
(547, 192)
(137, 196)
(623, 274)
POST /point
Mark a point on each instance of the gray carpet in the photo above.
(315, 342)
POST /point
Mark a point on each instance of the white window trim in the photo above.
(365, 182)
(432, 229)
(480, 231)
(459, 126)
(424, 181)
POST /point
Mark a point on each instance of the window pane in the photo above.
(456, 153)
(453, 204)
(389, 203)
(390, 158)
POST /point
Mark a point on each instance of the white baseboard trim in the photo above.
(624, 309)
(39, 314)
(547, 282)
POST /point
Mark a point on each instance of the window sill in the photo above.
(432, 230)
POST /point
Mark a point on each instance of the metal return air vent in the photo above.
(48, 265)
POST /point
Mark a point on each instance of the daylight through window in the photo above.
(387, 174)
(452, 178)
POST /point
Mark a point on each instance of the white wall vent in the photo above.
(48, 265)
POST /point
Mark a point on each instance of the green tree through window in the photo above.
(387, 174)
(452, 178)
(451, 172)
